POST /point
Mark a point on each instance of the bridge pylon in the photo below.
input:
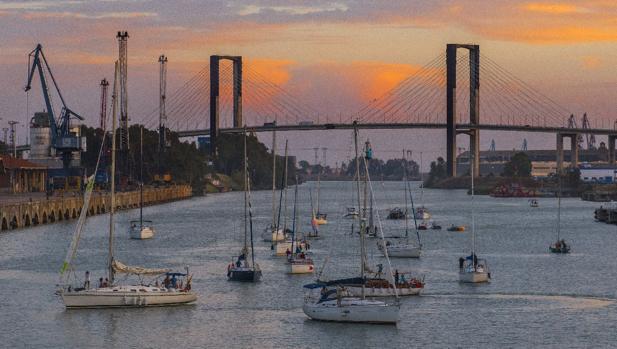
(573, 149)
(474, 106)
(214, 97)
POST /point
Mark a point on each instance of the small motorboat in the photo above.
(435, 226)
(320, 218)
(533, 203)
(396, 213)
(422, 213)
(141, 229)
(456, 228)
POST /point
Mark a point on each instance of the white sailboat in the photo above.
(176, 288)
(471, 268)
(141, 229)
(404, 248)
(298, 261)
(335, 303)
(272, 233)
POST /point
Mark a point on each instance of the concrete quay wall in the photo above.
(45, 211)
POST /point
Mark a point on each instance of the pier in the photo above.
(15, 214)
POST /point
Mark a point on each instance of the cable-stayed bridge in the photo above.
(442, 94)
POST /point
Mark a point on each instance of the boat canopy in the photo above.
(120, 267)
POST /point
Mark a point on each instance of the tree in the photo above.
(518, 166)
(437, 172)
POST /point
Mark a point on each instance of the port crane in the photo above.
(63, 140)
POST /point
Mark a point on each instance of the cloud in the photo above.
(103, 15)
(292, 10)
(553, 8)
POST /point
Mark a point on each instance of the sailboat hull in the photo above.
(473, 277)
(126, 297)
(404, 251)
(356, 291)
(244, 275)
(296, 267)
(352, 310)
(273, 236)
(142, 234)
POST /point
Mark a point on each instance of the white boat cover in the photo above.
(120, 267)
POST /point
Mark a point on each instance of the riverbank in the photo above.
(15, 214)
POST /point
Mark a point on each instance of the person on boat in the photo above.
(166, 281)
(87, 280)
(563, 244)
(396, 276)
(403, 281)
(106, 283)
(558, 245)
(298, 249)
(100, 282)
(461, 263)
(288, 253)
(174, 281)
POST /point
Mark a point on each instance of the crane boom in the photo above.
(62, 139)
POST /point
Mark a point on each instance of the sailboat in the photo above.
(141, 229)
(272, 233)
(297, 260)
(318, 217)
(285, 246)
(559, 246)
(176, 288)
(245, 268)
(335, 303)
(404, 249)
(471, 268)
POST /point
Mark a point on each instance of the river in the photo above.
(535, 299)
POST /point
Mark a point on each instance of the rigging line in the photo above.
(178, 113)
(286, 103)
(435, 78)
(284, 91)
(518, 94)
(181, 89)
(281, 109)
(406, 88)
(428, 86)
(556, 107)
(439, 60)
(417, 92)
(529, 87)
(530, 105)
(178, 104)
(516, 98)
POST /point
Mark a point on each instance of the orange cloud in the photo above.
(275, 71)
(376, 78)
(552, 8)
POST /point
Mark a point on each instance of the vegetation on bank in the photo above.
(188, 164)
(390, 170)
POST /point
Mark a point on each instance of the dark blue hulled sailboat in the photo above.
(244, 267)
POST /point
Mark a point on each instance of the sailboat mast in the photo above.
(473, 218)
(363, 212)
(293, 229)
(406, 208)
(318, 188)
(245, 193)
(274, 179)
(285, 190)
(421, 182)
(559, 207)
(113, 178)
(141, 177)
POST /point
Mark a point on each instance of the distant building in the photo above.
(21, 176)
(598, 173)
(543, 169)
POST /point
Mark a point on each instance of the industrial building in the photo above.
(591, 173)
(21, 176)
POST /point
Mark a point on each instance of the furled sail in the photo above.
(70, 255)
(120, 267)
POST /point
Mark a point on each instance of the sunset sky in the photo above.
(335, 55)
